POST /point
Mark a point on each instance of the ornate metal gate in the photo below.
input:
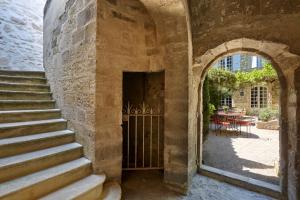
(142, 137)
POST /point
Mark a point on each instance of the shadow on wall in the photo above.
(223, 156)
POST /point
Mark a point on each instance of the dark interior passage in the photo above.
(143, 106)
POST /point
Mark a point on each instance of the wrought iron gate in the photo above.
(142, 137)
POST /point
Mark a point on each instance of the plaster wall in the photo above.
(21, 35)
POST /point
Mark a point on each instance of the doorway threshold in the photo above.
(242, 181)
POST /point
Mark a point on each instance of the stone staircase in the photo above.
(39, 158)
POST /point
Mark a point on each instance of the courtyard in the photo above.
(253, 154)
(118, 99)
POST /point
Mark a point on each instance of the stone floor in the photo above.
(251, 155)
(145, 185)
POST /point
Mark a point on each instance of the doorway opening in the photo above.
(143, 121)
(241, 117)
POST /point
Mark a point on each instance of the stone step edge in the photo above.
(23, 77)
(20, 159)
(30, 123)
(78, 188)
(22, 72)
(30, 180)
(24, 84)
(242, 181)
(29, 111)
(27, 101)
(111, 191)
(24, 92)
(35, 137)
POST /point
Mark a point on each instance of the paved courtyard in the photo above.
(149, 185)
(252, 155)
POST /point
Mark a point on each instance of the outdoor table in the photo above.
(230, 117)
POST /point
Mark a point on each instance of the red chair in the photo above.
(246, 123)
(221, 122)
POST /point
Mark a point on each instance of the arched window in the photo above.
(259, 97)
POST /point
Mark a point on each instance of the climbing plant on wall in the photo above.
(266, 74)
(223, 83)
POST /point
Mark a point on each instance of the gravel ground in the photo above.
(253, 155)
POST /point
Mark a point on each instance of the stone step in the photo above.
(21, 95)
(28, 115)
(36, 74)
(8, 130)
(29, 143)
(40, 183)
(22, 79)
(89, 188)
(24, 87)
(26, 104)
(24, 164)
(111, 191)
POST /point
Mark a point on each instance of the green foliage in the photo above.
(268, 114)
(221, 84)
(212, 109)
(206, 109)
(266, 74)
(253, 112)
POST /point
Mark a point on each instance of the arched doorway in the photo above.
(240, 117)
(272, 51)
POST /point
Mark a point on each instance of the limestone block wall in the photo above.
(245, 101)
(132, 37)
(265, 27)
(21, 34)
(87, 47)
(70, 64)
(126, 39)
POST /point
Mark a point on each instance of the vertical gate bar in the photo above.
(151, 140)
(158, 142)
(143, 140)
(128, 139)
(135, 164)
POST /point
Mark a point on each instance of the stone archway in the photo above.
(285, 64)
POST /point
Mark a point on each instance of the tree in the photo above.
(221, 84)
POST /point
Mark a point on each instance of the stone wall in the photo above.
(21, 34)
(244, 102)
(70, 64)
(131, 37)
(87, 81)
(265, 27)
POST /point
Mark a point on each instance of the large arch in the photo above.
(285, 64)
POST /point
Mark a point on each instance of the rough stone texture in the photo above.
(21, 34)
(288, 142)
(270, 125)
(132, 37)
(87, 82)
(222, 27)
(244, 102)
(70, 64)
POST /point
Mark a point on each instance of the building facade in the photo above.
(262, 95)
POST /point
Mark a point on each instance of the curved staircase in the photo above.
(39, 158)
